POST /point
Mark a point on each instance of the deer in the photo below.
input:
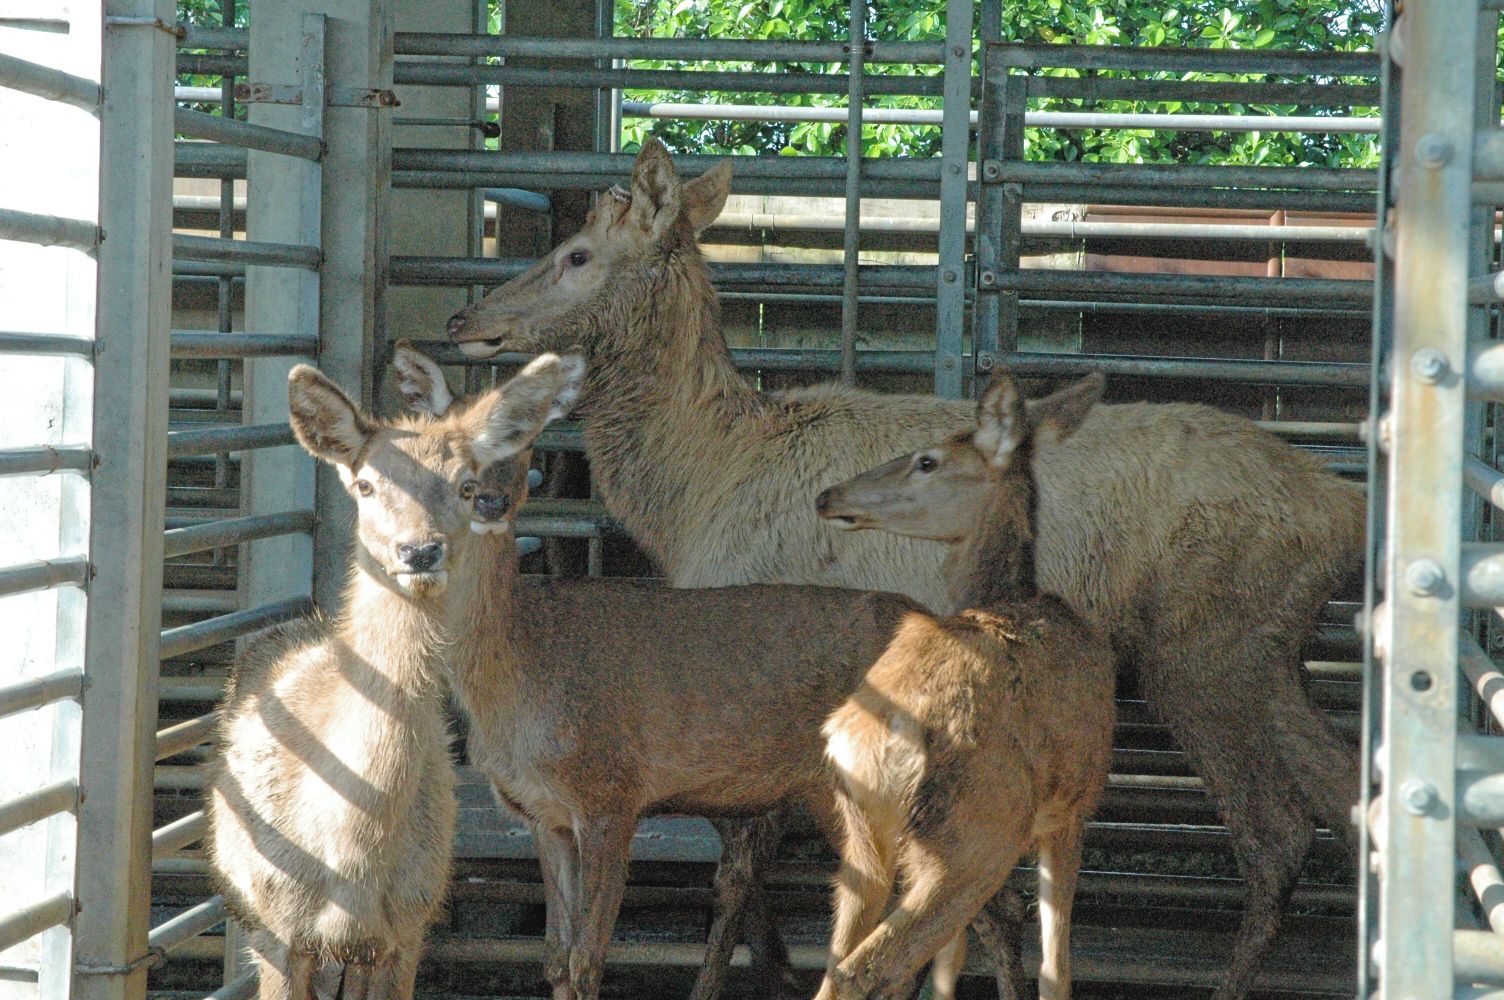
(978, 736)
(331, 801)
(1202, 544)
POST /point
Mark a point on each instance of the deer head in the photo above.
(415, 481)
(936, 493)
(604, 268)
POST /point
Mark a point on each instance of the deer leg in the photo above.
(947, 966)
(863, 885)
(301, 967)
(272, 966)
(1000, 928)
(1059, 871)
(605, 844)
(746, 848)
(558, 860)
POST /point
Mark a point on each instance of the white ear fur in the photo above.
(1001, 423)
(543, 391)
(326, 422)
(420, 380)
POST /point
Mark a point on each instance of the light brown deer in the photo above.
(1204, 546)
(332, 803)
(976, 737)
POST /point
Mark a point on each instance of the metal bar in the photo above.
(1164, 177)
(1283, 62)
(242, 987)
(179, 833)
(211, 248)
(1485, 371)
(202, 36)
(411, 43)
(38, 691)
(851, 222)
(1217, 288)
(208, 344)
(219, 440)
(1324, 373)
(43, 575)
(435, 74)
(197, 125)
(186, 735)
(27, 923)
(1312, 95)
(51, 84)
(495, 270)
(233, 531)
(208, 159)
(48, 230)
(1064, 228)
(202, 635)
(46, 344)
(187, 925)
(619, 165)
(955, 144)
(45, 460)
(1487, 681)
(1488, 483)
(34, 806)
(1483, 875)
(1478, 957)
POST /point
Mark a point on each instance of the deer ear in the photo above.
(327, 424)
(420, 380)
(1058, 415)
(1002, 423)
(511, 417)
(655, 189)
(703, 198)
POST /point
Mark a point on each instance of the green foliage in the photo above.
(1313, 25)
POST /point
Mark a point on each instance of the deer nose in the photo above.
(420, 558)
(822, 502)
(456, 324)
(492, 506)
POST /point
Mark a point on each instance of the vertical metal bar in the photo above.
(1419, 638)
(118, 721)
(955, 143)
(225, 285)
(857, 41)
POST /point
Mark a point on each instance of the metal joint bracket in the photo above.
(344, 97)
(985, 361)
(153, 958)
(171, 27)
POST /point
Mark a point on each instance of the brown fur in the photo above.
(975, 738)
(332, 804)
(1203, 545)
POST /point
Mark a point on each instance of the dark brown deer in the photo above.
(332, 804)
(977, 737)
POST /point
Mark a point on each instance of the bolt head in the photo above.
(988, 278)
(1429, 365)
(1424, 577)
(949, 276)
(949, 363)
(1433, 150)
(1417, 796)
(985, 361)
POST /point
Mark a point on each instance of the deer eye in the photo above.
(364, 487)
(579, 258)
(468, 488)
(926, 463)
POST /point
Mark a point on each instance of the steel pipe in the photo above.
(1332, 374)
(233, 531)
(208, 344)
(43, 575)
(494, 271)
(1483, 875)
(1216, 288)
(45, 460)
(27, 923)
(1485, 370)
(1478, 957)
(1484, 480)
(852, 221)
(48, 83)
(434, 74)
(46, 344)
(212, 248)
(186, 735)
(201, 635)
(200, 36)
(175, 689)
(1480, 797)
(619, 165)
(220, 440)
(37, 805)
(1482, 572)
(189, 924)
(208, 159)
(179, 833)
(230, 132)
(1486, 679)
(242, 987)
(1284, 62)
(1168, 177)
(413, 43)
(48, 230)
(38, 691)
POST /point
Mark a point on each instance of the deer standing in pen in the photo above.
(976, 736)
(1203, 545)
(332, 802)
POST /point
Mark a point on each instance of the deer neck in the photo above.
(486, 653)
(995, 564)
(663, 404)
(399, 640)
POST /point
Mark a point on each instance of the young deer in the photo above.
(975, 737)
(332, 803)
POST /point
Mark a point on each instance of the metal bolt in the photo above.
(1386, 433)
(985, 361)
(1418, 796)
(1013, 191)
(959, 51)
(1424, 577)
(1394, 41)
(1355, 816)
(1429, 365)
(987, 277)
(1433, 150)
(1496, 640)
(991, 170)
(949, 363)
(949, 275)
(954, 168)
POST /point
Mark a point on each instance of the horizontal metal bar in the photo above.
(221, 440)
(27, 923)
(1488, 154)
(242, 987)
(1478, 957)
(37, 805)
(187, 925)
(1482, 572)
(1281, 62)
(208, 159)
(43, 574)
(620, 164)
(1213, 288)
(38, 691)
(1483, 874)
(174, 689)
(1333, 374)
(201, 635)
(1480, 797)
(1485, 371)
(229, 131)
(48, 230)
(1487, 482)
(1098, 88)
(51, 84)
(46, 344)
(414, 43)
(1168, 176)
(179, 833)
(1270, 199)
(209, 344)
(1485, 677)
(211, 248)
(220, 534)
(496, 270)
(216, 64)
(45, 460)
(434, 74)
(186, 735)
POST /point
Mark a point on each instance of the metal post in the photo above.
(950, 306)
(127, 497)
(853, 222)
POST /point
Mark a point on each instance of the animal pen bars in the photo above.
(135, 470)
